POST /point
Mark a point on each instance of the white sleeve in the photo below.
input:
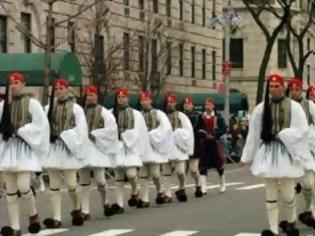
(160, 137)
(106, 138)
(76, 137)
(36, 133)
(253, 139)
(184, 137)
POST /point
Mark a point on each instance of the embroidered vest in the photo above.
(281, 115)
(63, 117)
(125, 120)
(94, 117)
(174, 119)
(19, 111)
(150, 118)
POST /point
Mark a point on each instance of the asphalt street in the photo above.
(240, 211)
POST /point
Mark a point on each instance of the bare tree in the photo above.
(50, 26)
(299, 32)
(153, 47)
(104, 61)
(258, 9)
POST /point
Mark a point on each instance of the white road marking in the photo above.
(247, 234)
(113, 232)
(228, 184)
(180, 233)
(252, 187)
(46, 232)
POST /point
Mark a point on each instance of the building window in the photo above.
(181, 10)
(204, 63)
(98, 65)
(71, 36)
(193, 51)
(169, 11)
(26, 22)
(236, 53)
(181, 59)
(214, 13)
(169, 58)
(214, 65)
(52, 34)
(203, 13)
(193, 12)
(126, 51)
(126, 10)
(3, 34)
(282, 53)
(154, 56)
(141, 53)
(141, 7)
(156, 6)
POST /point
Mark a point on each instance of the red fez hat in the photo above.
(276, 78)
(122, 91)
(145, 95)
(311, 89)
(189, 101)
(61, 83)
(295, 83)
(209, 100)
(91, 89)
(17, 77)
(171, 97)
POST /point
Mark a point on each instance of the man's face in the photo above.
(146, 103)
(16, 87)
(91, 98)
(296, 93)
(61, 92)
(171, 105)
(122, 99)
(209, 106)
(188, 107)
(276, 89)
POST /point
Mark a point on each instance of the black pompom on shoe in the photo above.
(160, 199)
(77, 219)
(267, 232)
(198, 192)
(108, 210)
(51, 223)
(133, 201)
(7, 231)
(181, 195)
(34, 225)
(116, 209)
(284, 226)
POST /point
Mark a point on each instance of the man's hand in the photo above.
(209, 136)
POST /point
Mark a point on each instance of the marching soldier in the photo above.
(160, 130)
(193, 164)
(67, 155)
(102, 146)
(182, 147)
(276, 147)
(25, 140)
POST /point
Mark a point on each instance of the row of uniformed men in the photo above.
(74, 140)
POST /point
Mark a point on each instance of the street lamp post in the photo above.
(227, 20)
(227, 32)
